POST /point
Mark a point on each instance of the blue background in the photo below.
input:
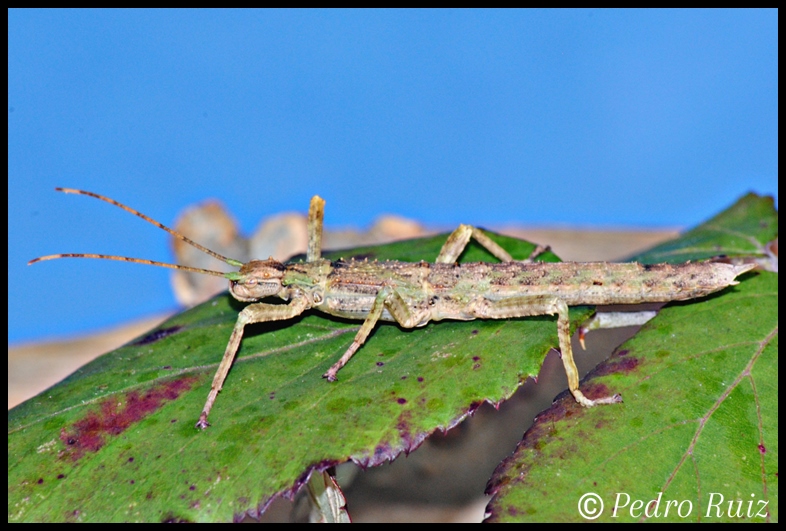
(589, 118)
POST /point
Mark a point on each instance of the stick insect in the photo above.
(412, 294)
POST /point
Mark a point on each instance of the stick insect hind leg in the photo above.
(459, 238)
(523, 306)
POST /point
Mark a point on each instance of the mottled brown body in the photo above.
(461, 291)
(412, 294)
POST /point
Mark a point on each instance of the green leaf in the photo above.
(699, 425)
(115, 441)
(740, 230)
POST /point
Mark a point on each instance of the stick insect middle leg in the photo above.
(388, 298)
(391, 300)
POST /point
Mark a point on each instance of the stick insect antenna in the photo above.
(174, 233)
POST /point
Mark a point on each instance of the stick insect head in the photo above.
(257, 279)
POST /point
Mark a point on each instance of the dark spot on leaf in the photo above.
(130, 459)
(410, 439)
(172, 519)
(157, 335)
(60, 476)
(192, 487)
(762, 449)
(476, 366)
(404, 377)
(132, 481)
(475, 358)
(380, 364)
(623, 352)
(116, 414)
(40, 481)
(474, 332)
(617, 363)
(420, 378)
(402, 400)
(512, 511)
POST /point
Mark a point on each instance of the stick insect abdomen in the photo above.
(465, 291)
(586, 283)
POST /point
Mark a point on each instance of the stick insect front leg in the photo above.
(261, 312)
(316, 213)
(253, 313)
